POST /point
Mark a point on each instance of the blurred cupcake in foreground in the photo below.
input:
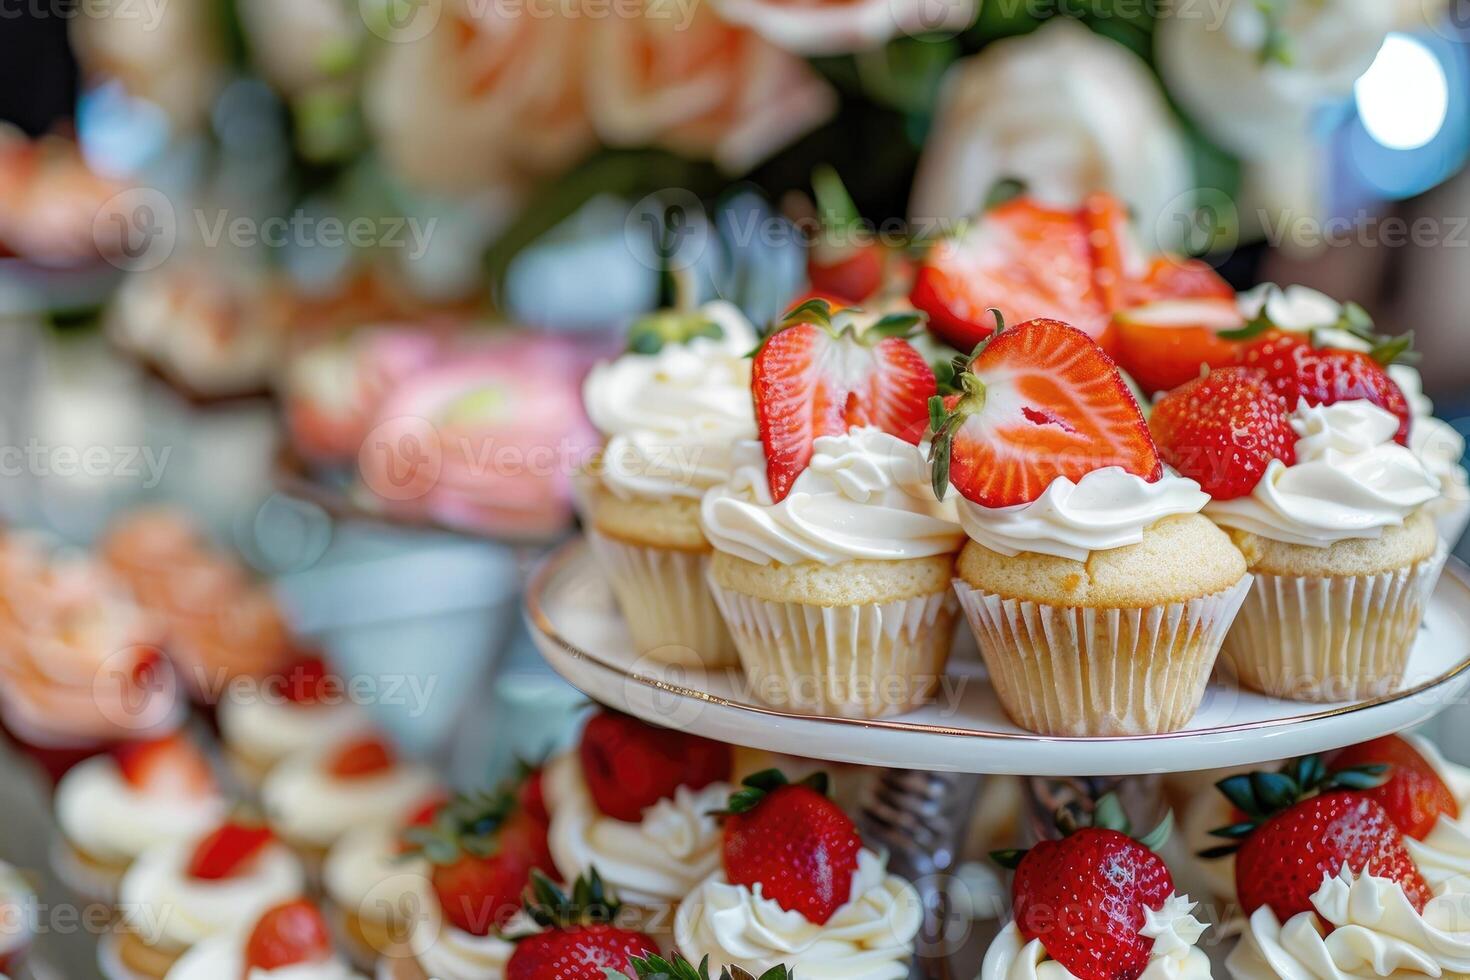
(313, 798)
(637, 802)
(180, 894)
(111, 808)
(1302, 451)
(1097, 593)
(301, 708)
(833, 555)
(484, 444)
(289, 941)
(670, 410)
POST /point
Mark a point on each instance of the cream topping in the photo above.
(106, 817)
(1444, 853)
(307, 804)
(1376, 933)
(671, 418)
(1108, 508)
(1350, 480)
(268, 728)
(869, 938)
(1296, 308)
(367, 874)
(223, 957)
(449, 953)
(1176, 954)
(654, 862)
(865, 495)
(172, 911)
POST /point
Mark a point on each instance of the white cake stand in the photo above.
(918, 808)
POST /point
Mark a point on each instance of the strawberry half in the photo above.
(1306, 823)
(361, 757)
(288, 935)
(843, 263)
(1021, 258)
(1038, 402)
(794, 842)
(817, 377)
(1223, 430)
(629, 765)
(171, 766)
(1163, 344)
(1325, 375)
(227, 851)
(1415, 796)
(579, 942)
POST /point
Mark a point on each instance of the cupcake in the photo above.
(312, 799)
(483, 850)
(111, 808)
(637, 802)
(302, 707)
(1097, 593)
(1328, 323)
(180, 894)
(670, 410)
(1326, 874)
(289, 941)
(832, 554)
(1325, 503)
(1096, 905)
(796, 887)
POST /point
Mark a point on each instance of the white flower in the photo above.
(299, 44)
(817, 28)
(1069, 112)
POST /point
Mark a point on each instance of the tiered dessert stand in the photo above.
(932, 759)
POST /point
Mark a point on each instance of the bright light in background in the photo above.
(1403, 99)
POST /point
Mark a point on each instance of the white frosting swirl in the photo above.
(671, 418)
(107, 818)
(367, 874)
(1108, 508)
(1444, 853)
(865, 495)
(654, 862)
(267, 729)
(1440, 447)
(869, 938)
(448, 953)
(1376, 933)
(223, 957)
(1295, 308)
(173, 911)
(1175, 956)
(1350, 480)
(307, 804)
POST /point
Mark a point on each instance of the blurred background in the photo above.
(239, 237)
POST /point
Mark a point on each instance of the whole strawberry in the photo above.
(1415, 795)
(1325, 375)
(629, 765)
(793, 842)
(1304, 825)
(678, 968)
(1222, 430)
(580, 941)
(1084, 896)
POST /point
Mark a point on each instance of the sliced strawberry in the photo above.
(1041, 401)
(227, 851)
(1170, 277)
(1415, 794)
(629, 765)
(844, 261)
(309, 682)
(810, 380)
(794, 842)
(170, 766)
(1223, 430)
(361, 757)
(288, 935)
(1022, 258)
(1325, 375)
(1164, 344)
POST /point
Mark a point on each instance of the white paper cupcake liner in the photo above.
(861, 661)
(1325, 640)
(665, 600)
(1074, 671)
